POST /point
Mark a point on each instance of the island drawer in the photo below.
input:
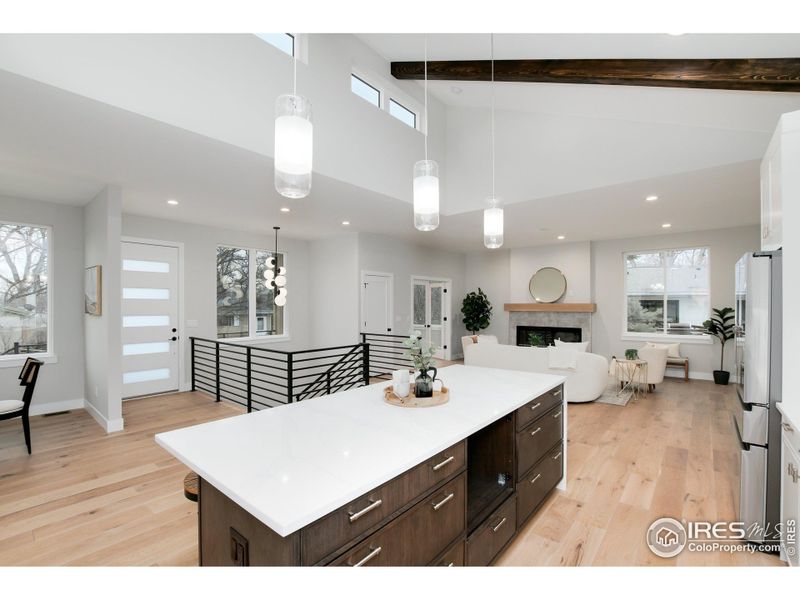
(492, 536)
(538, 406)
(453, 557)
(361, 516)
(419, 535)
(536, 484)
(538, 437)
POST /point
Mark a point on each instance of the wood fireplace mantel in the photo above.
(555, 307)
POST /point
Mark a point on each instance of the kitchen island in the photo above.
(348, 479)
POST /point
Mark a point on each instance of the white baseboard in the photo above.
(109, 426)
(54, 407)
(702, 375)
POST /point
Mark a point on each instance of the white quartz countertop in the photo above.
(288, 466)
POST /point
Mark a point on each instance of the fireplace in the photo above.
(546, 336)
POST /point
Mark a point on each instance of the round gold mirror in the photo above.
(548, 285)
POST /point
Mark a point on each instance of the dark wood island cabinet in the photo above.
(461, 506)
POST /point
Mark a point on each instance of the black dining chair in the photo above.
(11, 409)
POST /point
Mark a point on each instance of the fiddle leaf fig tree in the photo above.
(477, 311)
(720, 325)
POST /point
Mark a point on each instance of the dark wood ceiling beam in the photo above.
(751, 74)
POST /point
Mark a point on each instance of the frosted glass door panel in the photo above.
(150, 320)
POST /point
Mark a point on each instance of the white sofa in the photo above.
(585, 383)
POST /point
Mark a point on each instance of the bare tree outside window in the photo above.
(23, 289)
(233, 292)
(239, 269)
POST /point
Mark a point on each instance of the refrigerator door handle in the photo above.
(742, 444)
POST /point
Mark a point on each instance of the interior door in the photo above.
(376, 314)
(150, 351)
(437, 317)
(429, 313)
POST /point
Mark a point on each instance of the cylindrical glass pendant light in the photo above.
(294, 142)
(426, 177)
(426, 195)
(493, 216)
(294, 146)
(493, 224)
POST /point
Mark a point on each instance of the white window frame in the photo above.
(660, 337)
(49, 356)
(390, 92)
(381, 93)
(251, 299)
(404, 107)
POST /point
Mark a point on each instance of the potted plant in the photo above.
(720, 325)
(477, 311)
(422, 356)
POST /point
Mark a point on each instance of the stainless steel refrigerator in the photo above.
(758, 387)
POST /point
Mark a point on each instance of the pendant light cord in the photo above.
(492, 50)
(294, 68)
(426, 96)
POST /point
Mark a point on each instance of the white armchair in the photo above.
(656, 364)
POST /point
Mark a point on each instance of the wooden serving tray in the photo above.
(411, 401)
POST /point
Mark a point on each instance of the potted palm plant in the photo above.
(720, 325)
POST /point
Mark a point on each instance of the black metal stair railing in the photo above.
(256, 377)
(386, 354)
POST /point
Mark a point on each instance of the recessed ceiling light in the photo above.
(456, 90)
(345, 222)
(675, 34)
(561, 237)
(172, 202)
(651, 198)
(285, 209)
(666, 225)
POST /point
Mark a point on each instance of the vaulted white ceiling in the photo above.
(571, 159)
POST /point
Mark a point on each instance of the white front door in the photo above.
(429, 314)
(150, 357)
(376, 315)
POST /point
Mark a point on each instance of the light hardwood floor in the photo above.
(85, 498)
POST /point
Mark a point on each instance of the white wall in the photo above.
(61, 380)
(389, 255)
(200, 291)
(224, 86)
(726, 247)
(490, 271)
(103, 334)
(335, 292)
(573, 259)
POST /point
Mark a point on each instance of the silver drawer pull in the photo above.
(441, 503)
(558, 414)
(535, 431)
(557, 456)
(499, 525)
(446, 461)
(355, 516)
(368, 557)
(787, 427)
(535, 406)
(535, 478)
(557, 392)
